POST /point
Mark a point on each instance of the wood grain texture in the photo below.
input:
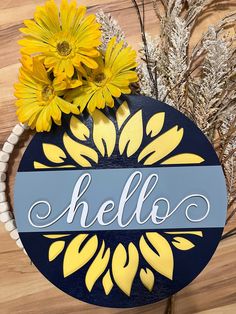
(22, 288)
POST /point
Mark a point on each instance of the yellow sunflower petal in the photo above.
(184, 159)
(122, 114)
(129, 139)
(75, 256)
(97, 267)
(161, 146)
(125, 266)
(182, 244)
(147, 278)
(54, 153)
(161, 259)
(107, 282)
(104, 133)
(38, 165)
(79, 129)
(55, 236)
(80, 153)
(196, 233)
(55, 249)
(155, 124)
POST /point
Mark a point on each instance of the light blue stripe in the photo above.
(175, 183)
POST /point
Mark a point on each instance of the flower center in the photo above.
(99, 78)
(47, 92)
(64, 48)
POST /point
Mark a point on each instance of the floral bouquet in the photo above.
(67, 68)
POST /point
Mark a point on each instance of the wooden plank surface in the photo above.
(22, 288)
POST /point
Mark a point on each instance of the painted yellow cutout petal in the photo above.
(161, 146)
(55, 249)
(104, 133)
(155, 124)
(75, 258)
(122, 114)
(184, 159)
(132, 134)
(147, 278)
(182, 244)
(79, 129)
(79, 152)
(97, 267)
(54, 153)
(107, 282)
(125, 266)
(197, 233)
(162, 260)
(55, 236)
(38, 165)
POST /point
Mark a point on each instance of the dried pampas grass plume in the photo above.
(199, 81)
(110, 28)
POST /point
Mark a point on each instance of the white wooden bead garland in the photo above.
(10, 225)
(8, 148)
(3, 176)
(3, 166)
(4, 207)
(4, 157)
(6, 215)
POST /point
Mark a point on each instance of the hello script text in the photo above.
(196, 207)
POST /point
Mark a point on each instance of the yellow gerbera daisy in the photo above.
(62, 81)
(39, 97)
(111, 79)
(66, 39)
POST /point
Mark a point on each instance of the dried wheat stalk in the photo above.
(110, 28)
(200, 82)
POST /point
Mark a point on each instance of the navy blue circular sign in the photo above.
(123, 208)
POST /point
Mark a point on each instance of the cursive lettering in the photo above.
(157, 214)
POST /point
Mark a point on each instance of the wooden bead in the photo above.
(19, 244)
(4, 157)
(4, 207)
(10, 225)
(8, 148)
(13, 139)
(14, 234)
(3, 176)
(18, 130)
(2, 197)
(25, 126)
(3, 166)
(2, 186)
(5, 217)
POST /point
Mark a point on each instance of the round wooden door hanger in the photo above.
(122, 208)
